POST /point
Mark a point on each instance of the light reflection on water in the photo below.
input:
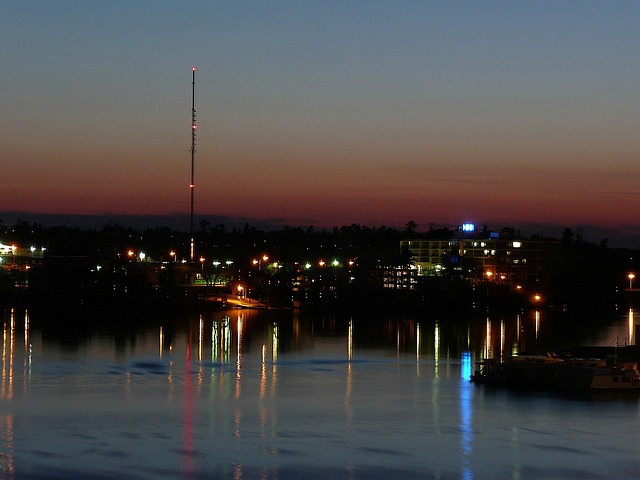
(278, 395)
(466, 416)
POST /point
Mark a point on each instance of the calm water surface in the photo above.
(284, 395)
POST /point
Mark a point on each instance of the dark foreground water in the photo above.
(280, 395)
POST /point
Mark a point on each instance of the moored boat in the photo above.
(540, 372)
(599, 375)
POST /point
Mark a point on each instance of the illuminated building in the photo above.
(500, 257)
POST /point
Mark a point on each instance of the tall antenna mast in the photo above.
(194, 127)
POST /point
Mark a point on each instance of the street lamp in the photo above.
(631, 276)
(259, 261)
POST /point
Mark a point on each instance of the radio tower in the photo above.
(192, 185)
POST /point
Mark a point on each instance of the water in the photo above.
(277, 395)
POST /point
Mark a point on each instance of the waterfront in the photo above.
(283, 394)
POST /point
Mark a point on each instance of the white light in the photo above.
(517, 244)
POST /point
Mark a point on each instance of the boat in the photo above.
(599, 375)
(531, 371)
(550, 372)
(489, 371)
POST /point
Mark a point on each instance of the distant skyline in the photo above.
(325, 113)
(179, 222)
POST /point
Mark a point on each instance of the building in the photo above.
(498, 256)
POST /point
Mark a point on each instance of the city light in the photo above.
(260, 261)
(7, 249)
(503, 262)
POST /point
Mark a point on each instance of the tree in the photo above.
(567, 237)
(410, 227)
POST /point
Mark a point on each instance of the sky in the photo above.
(325, 112)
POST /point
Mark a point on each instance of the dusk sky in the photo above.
(325, 112)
